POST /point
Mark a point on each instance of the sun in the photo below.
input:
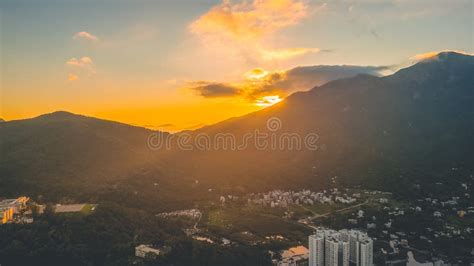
(266, 101)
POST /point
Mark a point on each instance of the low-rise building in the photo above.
(17, 204)
(371, 226)
(146, 251)
(295, 256)
(6, 215)
(8, 207)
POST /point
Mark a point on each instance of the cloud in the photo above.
(72, 77)
(424, 56)
(80, 66)
(82, 62)
(268, 100)
(250, 20)
(213, 89)
(84, 35)
(304, 78)
(309, 76)
(287, 53)
(248, 26)
(264, 87)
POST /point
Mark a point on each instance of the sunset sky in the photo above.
(175, 65)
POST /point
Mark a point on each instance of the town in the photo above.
(23, 209)
(375, 225)
(336, 226)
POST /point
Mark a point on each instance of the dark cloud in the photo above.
(305, 78)
(284, 82)
(214, 89)
(318, 75)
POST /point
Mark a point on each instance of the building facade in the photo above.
(295, 256)
(8, 207)
(144, 251)
(366, 252)
(6, 215)
(316, 249)
(344, 247)
(331, 256)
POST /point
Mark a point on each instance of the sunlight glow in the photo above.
(266, 101)
(256, 74)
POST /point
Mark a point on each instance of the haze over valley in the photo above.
(263, 132)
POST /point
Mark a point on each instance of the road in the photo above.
(197, 222)
(306, 221)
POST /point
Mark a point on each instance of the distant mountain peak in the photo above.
(453, 54)
(59, 115)
(443, 56)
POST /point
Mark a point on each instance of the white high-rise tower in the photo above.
(316, 249)
(366, 252)
(334, 248)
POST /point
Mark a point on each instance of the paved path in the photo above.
(306, 221)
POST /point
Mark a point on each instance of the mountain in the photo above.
(63, 150)
(306, 77)
(412, 126)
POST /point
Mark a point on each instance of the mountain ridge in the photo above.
(376, 131)
(440, 56)
(365, 122)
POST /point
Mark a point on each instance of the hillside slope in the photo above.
(63, 150)
(412, 126)
(379, 131)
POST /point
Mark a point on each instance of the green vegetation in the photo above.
(108, 236)
(88, 208)
(248, 224)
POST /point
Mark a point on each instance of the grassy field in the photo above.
(88, 209)
(252, 223)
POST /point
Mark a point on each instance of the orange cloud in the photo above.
(250, 20)
(247, 26)
(255, 74)
(85, 36)
(287, 53)
(264, 88)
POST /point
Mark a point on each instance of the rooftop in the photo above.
(295, 251)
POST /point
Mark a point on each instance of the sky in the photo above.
(176, 65)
